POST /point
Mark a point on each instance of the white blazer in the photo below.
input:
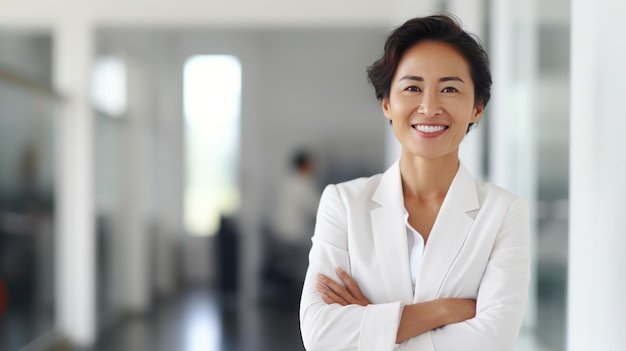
(478, 248)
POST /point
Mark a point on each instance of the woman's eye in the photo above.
(449, 90)
(412, 88)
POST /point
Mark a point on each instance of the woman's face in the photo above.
(431, 100)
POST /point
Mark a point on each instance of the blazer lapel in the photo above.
(390, 238)
(447, 236)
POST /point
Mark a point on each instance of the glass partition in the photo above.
(107, 189)
(27, 237)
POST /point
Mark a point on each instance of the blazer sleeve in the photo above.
(335, 327)
(502, 295)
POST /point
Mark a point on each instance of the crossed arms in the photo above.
(415, 318)
(336, 314)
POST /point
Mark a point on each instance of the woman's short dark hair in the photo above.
(439, 28)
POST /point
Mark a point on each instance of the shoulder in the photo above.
(498, 199)
(488, 189)
(338, 203)
(354, 190)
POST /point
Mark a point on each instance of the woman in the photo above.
(424, 256)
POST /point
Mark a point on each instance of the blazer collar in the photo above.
(453, 223)
(444, 243)
(389, 190)
(462, 191)
(390, 238)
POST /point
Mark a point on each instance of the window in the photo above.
(212, 104)
(108, 89)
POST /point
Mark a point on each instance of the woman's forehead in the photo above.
(431, 58)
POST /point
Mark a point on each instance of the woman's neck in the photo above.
(427, 179)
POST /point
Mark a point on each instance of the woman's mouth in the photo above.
(429, 128)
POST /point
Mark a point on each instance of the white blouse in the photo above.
(416, 248)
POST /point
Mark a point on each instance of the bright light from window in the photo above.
(212, 99)
(108, 88)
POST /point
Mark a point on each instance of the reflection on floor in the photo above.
(24, 322)
(204, 320)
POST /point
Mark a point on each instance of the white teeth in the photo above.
(429, 129)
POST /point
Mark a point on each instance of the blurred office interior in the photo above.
(141, 145)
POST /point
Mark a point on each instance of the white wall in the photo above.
(596, 306)
(247, 13)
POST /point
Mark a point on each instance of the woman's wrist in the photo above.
(457, 310)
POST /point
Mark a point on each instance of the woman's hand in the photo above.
(333, 292)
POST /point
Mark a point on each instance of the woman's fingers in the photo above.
(329, 296)
(350, 284)
(336, 288)
(337, 293)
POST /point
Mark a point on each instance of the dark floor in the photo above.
(203, 319)
(22, 323)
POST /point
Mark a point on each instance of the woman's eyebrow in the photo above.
(442, 79)
(447, 79)
(416, 78)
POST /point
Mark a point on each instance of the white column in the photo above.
(171, 169)
(136, 185)
(512, 122)
(596, 305)
(73, 51)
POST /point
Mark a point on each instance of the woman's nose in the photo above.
(430, 105)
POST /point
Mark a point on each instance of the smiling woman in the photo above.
(424, 256)
(431, 100)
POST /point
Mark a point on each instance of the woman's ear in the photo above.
(477, 112)
(386, 108)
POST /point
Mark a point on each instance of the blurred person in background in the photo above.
(292, 223)
(423, 257)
